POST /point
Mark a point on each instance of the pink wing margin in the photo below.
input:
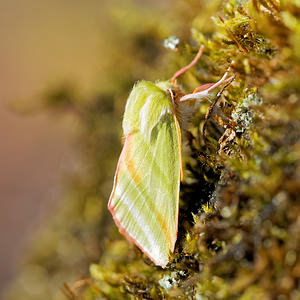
(122, 229)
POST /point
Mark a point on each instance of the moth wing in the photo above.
(144, 200)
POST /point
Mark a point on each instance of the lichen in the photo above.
(243, 114)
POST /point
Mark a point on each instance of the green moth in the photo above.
(145, 198)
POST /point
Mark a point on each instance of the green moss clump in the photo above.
(238, 218)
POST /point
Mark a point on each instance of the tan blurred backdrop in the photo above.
(41, 43)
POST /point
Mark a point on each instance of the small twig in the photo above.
(211, 108)
(80, 283)
(68, 292)
(67, 295)
(232, 36)
(94, 287)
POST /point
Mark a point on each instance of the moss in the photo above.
(235, 204)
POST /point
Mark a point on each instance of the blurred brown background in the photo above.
(45, 44)
(42, 43)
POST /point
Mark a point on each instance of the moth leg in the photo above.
(186, 68)
(208, 88)
(202, 87)
(212, 106)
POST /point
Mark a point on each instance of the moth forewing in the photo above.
(145, 196)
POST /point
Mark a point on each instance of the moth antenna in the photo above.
(186, 68)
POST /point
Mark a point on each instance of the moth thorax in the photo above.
(176, 94)
(183, 110)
